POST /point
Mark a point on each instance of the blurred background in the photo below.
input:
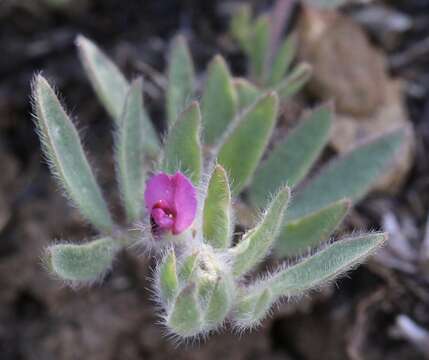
(371, 58)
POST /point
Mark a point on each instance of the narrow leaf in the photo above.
(247, 140)
(217, 210)
(181, 79)
(107, 80)
(247, 93)
(87, 262)
(259, 48)
(134, 141)
(187, 268)
(182, 147)
(241, 26)
(168, 282)
(252, 307)
(324, 266)
(349, 176)
(219, 101)
(254, 246)
(294, 82)
(66, 156)
(291, 159)
(220, 302)
(300, 235)
(282, 61)
(185, 318)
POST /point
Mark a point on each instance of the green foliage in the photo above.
(219, 101)
(168, 280)
(311, 273)
(291, 159)
(282, 61)
(246, 92)
(66, 157)
(347, 177)
(108, 82)
(199, 277)
(217, 224)
(186, 318)
(294, 82)
(246, 141)
(87, 262)
(182, 150)
(181, 79)
(254, 246)
(251, 307)
(298, 236)
(134, 142)
(323, 266)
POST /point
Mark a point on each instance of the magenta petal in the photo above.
(185, 203)
(162, 219)
(159, 188)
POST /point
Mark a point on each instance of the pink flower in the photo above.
(171, 201)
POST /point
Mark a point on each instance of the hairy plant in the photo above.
(180, 193)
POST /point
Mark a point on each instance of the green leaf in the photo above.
(291, 159)
(254, 246)
(219, 101)
(181, 79)
(134, 141)
(182, 148)
(241, 26)
(252, 307)
(187, 268)
(350, 176)
(185, 319)
(247, 93)
(324, 266)
(217, 210)
(168, 281)
(258, 51)
(298, 236)
(220, 302)
(107, 80)
(66, 157)
(294, 82)
(282, 61)
(87, 262)
(248, 137)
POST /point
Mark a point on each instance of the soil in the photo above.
(41, 319)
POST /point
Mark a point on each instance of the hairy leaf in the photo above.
(254, 246)
(291, 159)
(219, 101)
(282, 61)
(181, 79)
(258, 48)
(298, 236)
(182, 147)
(247, 93)
(168, 281)
(107, 80)
(294, 82)
(247, 140)
(185, 318)
(252, 307)
(324, 266)
(87, 262)
(347, 177)
(217, 210)
(66, 156)
(134, 141)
